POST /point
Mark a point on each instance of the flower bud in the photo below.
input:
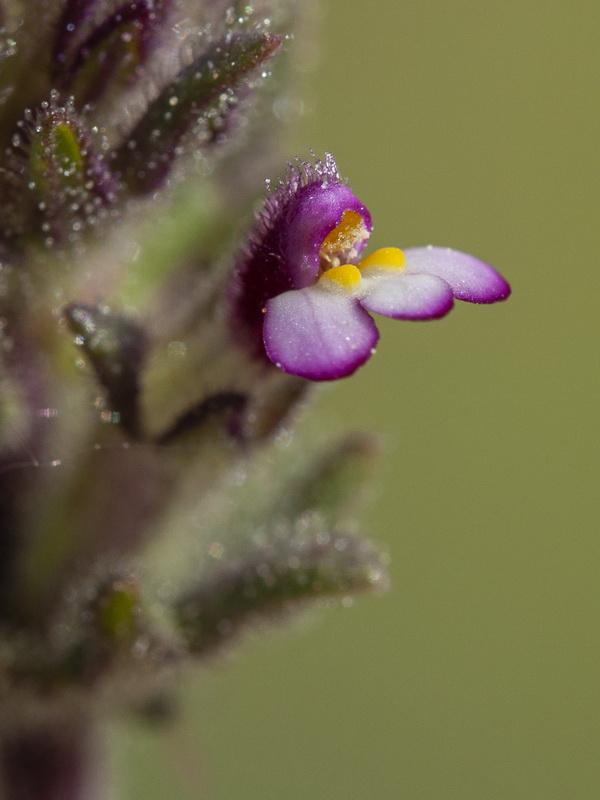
(71, 183)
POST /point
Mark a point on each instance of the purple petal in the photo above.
(310, 215)
(318, 333)
(470, 278)
(400, 296)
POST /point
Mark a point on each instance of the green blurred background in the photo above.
(473, 125)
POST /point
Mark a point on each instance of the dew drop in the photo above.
(216, 550)
(47, 413)
(374, 575)
(177, 350)
(140, 646)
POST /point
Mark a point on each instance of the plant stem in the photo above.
(50, 762)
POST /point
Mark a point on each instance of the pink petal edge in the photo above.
(471, 279)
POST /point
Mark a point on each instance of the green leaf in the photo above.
(331, 482)
(306, 565)
(116, 609)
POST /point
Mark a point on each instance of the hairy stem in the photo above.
(50, 762)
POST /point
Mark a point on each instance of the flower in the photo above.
(303, 293)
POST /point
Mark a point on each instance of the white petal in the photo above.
(318, 333)
(394, 293)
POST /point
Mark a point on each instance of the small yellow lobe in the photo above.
(340, 243)
(386, 258)
(345, 275)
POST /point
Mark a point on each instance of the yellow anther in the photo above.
(345, 275)
(340, 243)
(386, 258)
(347, 229)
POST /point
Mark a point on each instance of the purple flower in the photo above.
(303, 293)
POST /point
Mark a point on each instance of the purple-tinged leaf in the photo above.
(115, 347)
(77, 14)
(226, 407)
(113, 54)
(146, 157)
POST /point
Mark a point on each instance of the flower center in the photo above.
(349, 275)
(341, 244)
